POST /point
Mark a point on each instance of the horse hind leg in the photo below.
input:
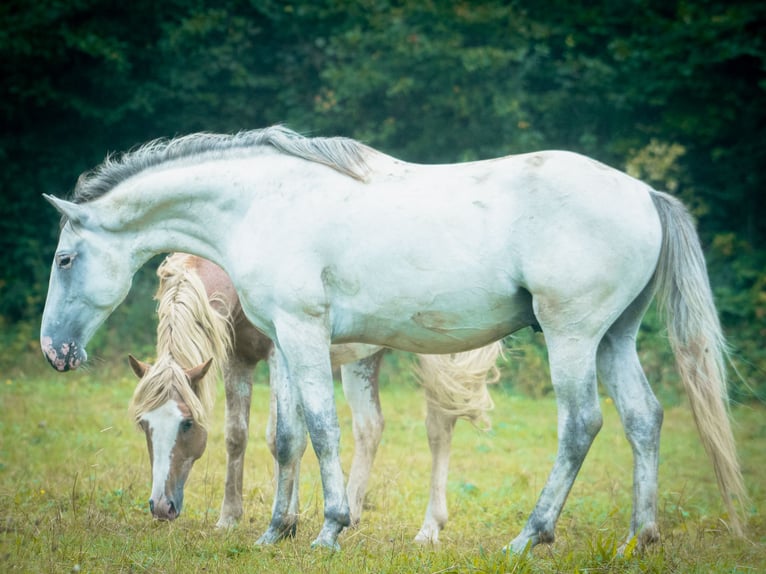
(573, 374)
(439, 426)
(455, 386)
(640, 411)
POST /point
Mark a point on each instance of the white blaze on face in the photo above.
(163, 424)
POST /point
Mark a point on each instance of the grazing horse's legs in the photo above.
(640, 411)
(573, 373)
(360, 386)
(239, 387)
(286, 437)
(439, 426)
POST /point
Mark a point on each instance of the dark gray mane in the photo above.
(342, 154)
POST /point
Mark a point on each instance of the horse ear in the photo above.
(74, 212)
(139, 367)
(195, 374)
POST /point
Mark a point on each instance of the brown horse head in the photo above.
(167, 407)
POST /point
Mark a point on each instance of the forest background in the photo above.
(669, 91)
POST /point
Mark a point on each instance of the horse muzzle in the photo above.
(165, 509)
(63, 357)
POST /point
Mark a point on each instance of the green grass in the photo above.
(74, 483)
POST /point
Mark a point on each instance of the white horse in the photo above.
(200, 320)
(329, 241)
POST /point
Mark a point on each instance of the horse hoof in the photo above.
(650, 534)
(225, 523)
(427, 537)
(519, 546)
(265, 540)
(274, 534)
(271, 536)
(331, 545)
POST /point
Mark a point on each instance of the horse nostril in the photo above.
(151, 505)
(172, 511)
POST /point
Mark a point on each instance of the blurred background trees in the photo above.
(670, 91)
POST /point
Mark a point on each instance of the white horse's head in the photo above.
(166, 408)
(90, 276)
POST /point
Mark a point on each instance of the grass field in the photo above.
(74, 484)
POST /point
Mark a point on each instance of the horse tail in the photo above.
(190, 328)
(456, 384)
(686, 299)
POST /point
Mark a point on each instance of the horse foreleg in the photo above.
(573, 373)
(291, 491)
(286, 437)
(239, 387)
(360, 386)
(304, 345)
(439, 426)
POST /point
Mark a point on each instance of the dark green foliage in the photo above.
(671, 91)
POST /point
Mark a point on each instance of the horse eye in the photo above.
(186, 425)
(64, 260)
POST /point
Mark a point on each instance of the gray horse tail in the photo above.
(685, 298)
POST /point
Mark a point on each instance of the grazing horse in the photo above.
(471, 252)
(200, 319)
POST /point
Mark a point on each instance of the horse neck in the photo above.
(184, 209)
(189, 328)
(195, 208)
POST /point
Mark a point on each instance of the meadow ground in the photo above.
(74, 484)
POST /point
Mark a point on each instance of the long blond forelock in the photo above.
(190, 331)
(166, 381)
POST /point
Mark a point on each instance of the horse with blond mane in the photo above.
(200, 321)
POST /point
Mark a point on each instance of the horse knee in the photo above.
(287, 442)
(287, 447)
(236, 441)
(271, 442)
(325, 436)
(369, 432)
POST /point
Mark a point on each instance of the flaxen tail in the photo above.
(457, 383)
(684, 294)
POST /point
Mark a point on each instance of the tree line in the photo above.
(670, 91)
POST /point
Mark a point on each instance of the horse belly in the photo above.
(449, 324)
